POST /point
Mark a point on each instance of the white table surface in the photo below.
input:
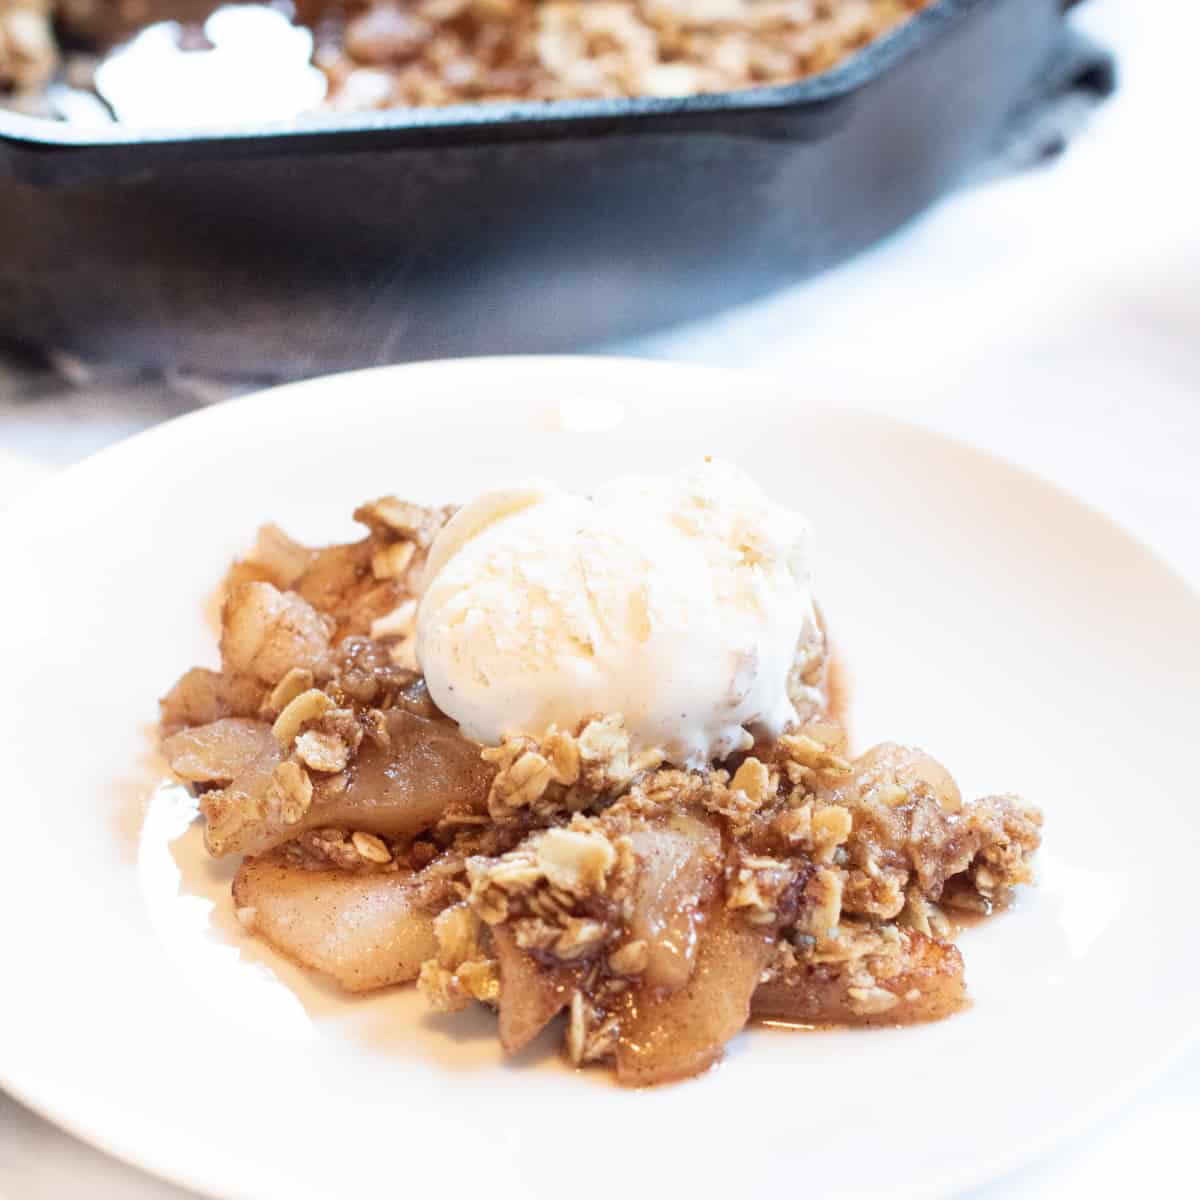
(1052, 318)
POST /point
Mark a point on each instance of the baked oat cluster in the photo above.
(398, 53)
(658, 909)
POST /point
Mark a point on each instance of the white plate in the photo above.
(1022, 638)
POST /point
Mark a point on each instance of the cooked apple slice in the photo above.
(194, 699)
(364, 931)
(531, 995)
(395, 791)
(265, 633)
(219, 751)
(681, 1034)
(679, 863)
(923, 982)
(403, 789)
(910, 768)
(281, 560)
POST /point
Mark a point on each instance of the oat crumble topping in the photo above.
(393, 53)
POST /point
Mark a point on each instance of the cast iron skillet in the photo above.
(290, 250)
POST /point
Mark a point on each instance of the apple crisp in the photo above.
(651, 910)
(378, 54)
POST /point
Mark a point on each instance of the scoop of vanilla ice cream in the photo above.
(676, 602)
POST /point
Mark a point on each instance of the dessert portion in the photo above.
(580, 759)
(374, 54)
